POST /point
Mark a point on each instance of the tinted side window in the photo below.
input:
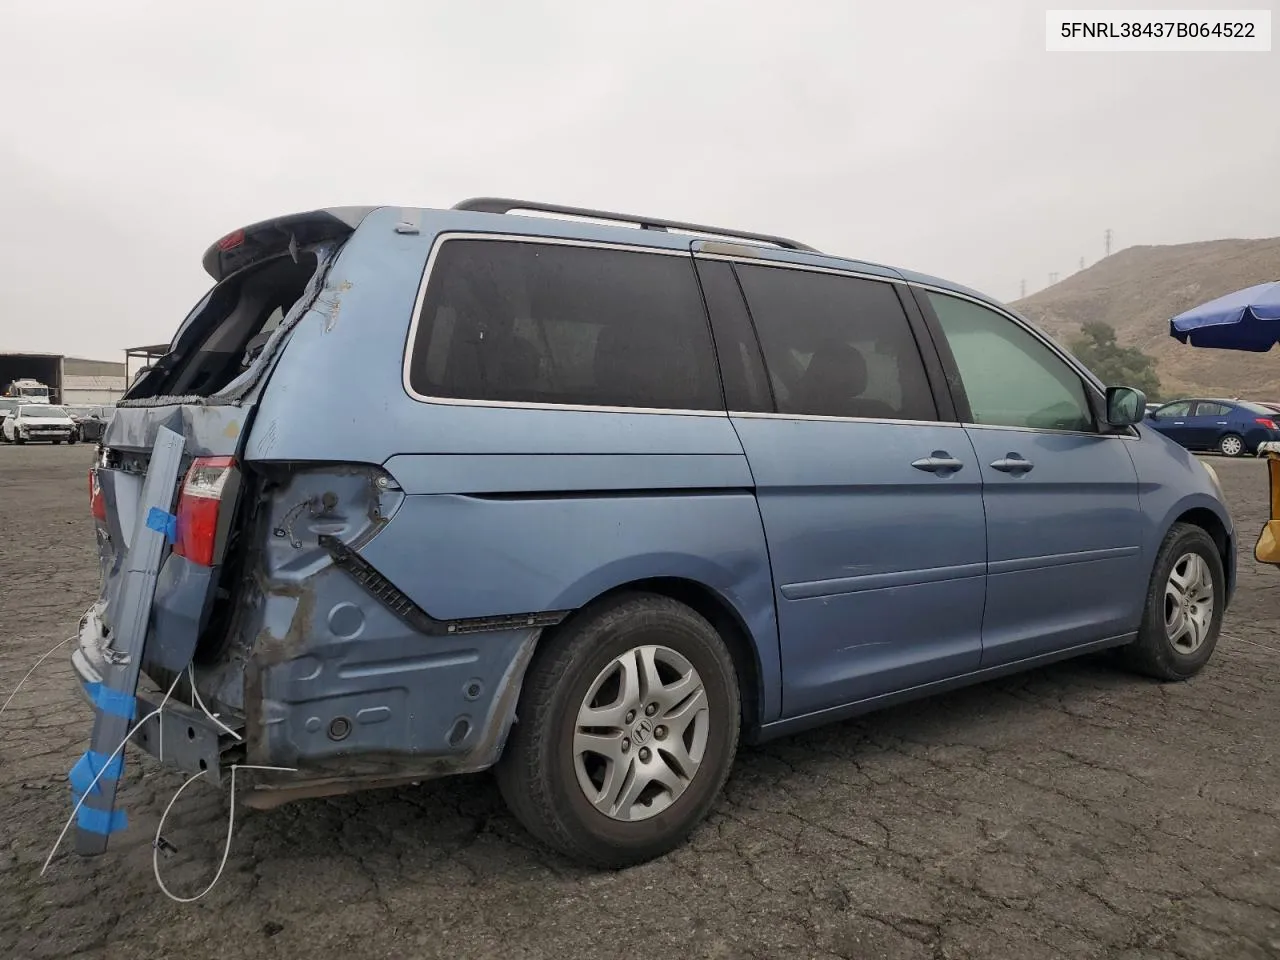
(746, 386)
(836, 346)
(551, 323)
(1204, 409)
(1010, 377)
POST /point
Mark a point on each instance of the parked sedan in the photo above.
(1231, 427)
(91, 421)
(39, 421)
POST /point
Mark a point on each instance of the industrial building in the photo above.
(70, 380)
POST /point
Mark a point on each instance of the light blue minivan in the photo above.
(589, 498)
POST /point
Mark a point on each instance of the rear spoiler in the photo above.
(270, 238)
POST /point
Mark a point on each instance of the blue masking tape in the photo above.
(105, 822)
(115, 702)
(163, 522)
(85, 771)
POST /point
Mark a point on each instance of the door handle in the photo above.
(1012, 464)
(1179, 423)
(939, 462)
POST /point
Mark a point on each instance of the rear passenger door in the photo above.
(1064, 561)
(1208, 423)
(871, 500)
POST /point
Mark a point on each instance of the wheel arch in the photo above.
(1212, 524)
(719, 612)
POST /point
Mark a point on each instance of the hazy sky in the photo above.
(939, 136)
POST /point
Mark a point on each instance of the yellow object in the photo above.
(1267, 549)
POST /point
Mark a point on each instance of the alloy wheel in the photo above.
(641, 733)
(1188, 603)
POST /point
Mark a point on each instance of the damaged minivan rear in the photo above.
(282, 646)
(355, 578)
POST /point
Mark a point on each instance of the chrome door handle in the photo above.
(1012, 464)
(939, 462)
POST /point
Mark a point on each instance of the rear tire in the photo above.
(1232, 445)
(660, 684)
(56, 441)
(19, 439)
(1184, 607)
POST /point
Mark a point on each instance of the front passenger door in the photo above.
(1064, 556)
(1171, 420)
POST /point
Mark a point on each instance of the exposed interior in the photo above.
(225, 339)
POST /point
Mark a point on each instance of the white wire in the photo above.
(212, 716)
(155, 849)
(56, 647)
(226, 847)
(231, 812)
(105, 767)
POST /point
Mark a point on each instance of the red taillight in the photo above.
(1266, 422)
(97, 503)
(231, 241)
(199, 507)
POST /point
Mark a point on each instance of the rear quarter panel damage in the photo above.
(489, 512)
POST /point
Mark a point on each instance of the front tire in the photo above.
(627, 728)
(1184, 607)
(1232, 445)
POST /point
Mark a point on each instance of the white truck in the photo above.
(27, 390)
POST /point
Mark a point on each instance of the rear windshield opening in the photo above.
(225, 339)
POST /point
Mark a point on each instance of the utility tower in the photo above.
(1107, 240)
(1053, 278)
(1023, 295)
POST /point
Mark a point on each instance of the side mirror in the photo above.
(1125, 406)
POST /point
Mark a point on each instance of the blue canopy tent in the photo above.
(1248, 319)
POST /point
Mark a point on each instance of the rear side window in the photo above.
(1204, 409)
(836, 346)
(506, 321)
(746, 387)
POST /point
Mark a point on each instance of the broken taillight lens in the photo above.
(97, 503)
(200, 507)
(1266, 422)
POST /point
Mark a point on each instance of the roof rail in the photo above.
(504, 205)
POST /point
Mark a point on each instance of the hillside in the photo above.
(1137, 290)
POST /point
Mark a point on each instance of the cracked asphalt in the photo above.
(1076, 811)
